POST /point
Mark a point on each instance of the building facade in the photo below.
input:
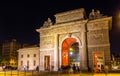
(28, 58)
(75, 39)
(9, 52)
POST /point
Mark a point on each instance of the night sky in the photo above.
(19, 20)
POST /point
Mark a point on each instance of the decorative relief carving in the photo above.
(47, 42)
(98, 36)
(95, 37)
(61, 37)
(97, 25)
(66, 29)
(77, 34)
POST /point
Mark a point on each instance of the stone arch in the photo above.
(73, 36)
(78, 40)
(75, 39)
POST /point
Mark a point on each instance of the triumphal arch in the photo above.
(76, 39)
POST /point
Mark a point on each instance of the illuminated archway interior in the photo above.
(70, 52)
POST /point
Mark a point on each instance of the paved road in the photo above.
(33, 73)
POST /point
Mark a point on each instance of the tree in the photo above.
(1, 59)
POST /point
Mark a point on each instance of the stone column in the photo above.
(56, 51)
(84, 52)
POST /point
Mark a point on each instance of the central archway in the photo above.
(70, 52)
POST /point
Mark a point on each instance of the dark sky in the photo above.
(18, 20)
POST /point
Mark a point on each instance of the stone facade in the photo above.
(98, 39)
(92, 36)
(28, 57)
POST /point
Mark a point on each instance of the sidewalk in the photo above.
(78, 74)
(109, 74)
(35, 73)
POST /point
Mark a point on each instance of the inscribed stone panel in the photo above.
(70, 15)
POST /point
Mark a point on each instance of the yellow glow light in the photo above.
(71, 49)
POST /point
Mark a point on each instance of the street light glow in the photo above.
(71, 53)
(71, 49)
(118, 19)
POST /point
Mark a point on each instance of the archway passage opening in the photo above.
(70, 52)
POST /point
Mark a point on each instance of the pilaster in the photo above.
(56, 55)
(84, 53)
